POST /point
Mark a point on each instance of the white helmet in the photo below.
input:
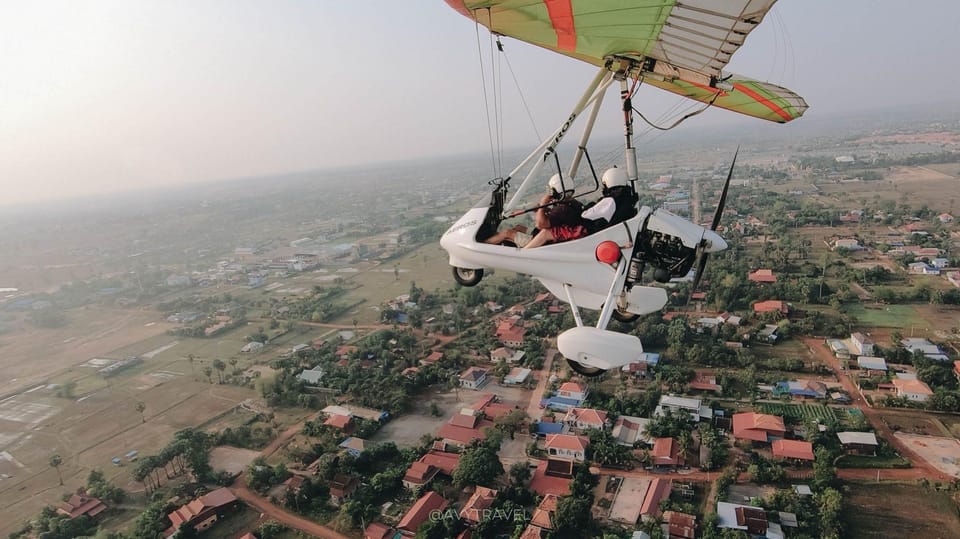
(556, 184)
(614, 177)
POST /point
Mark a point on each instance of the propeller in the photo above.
(704, 255)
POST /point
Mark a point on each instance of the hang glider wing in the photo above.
(684, 45)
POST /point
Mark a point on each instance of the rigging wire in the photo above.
(497, 129)
(523, 99)
(486, 103)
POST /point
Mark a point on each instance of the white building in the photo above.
(862, 346)
(678, 405)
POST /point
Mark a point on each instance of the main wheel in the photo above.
(625, 317)
(584, 370)
(467, 277)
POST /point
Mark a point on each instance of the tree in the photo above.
(519, 473)
(830, 504)
(55, 462)
(572, 518)
(140, 408)
(823, 470)
(208, 371)
(479, 465)
(220, 366)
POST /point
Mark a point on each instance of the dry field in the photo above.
(899, 510)
(934, 186)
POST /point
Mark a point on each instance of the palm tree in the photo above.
(140, 408)
(208, 371)
(55, 462)
(220, 366)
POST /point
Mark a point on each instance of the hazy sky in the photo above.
(99, 96)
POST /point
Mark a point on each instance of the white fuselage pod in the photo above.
(688, 232)
(599, 348)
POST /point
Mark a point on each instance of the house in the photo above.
(342, 488)
(929, 349)
(796, 450)
(311, 376)
(293, 484)
(559, 404)
(543, 514)
(510, 334)
(479, 503)
(705, 381)
(552, 476)
(762, 276)
(354, 446)
(746, 518)
(432, 358)
(771, 306)
(639, 497)
(419, 474)
(940, 263)
(506, 354)
(913, 390)
(859, 443)
(345, 350)
(921, 268)
(666, 453)
(428, 504)
(636, 370)
(80, 504)
(251, 347)
(839, 348)
(379, 531)
(573, 390)
(516, 376)
(473, 378)
(586, 418)
(463, 429)
(677, 405)
(861, 345)
(872, 366)
(954, 278)
(343, 423)
(567, 446)
(956, 369)
(850, 244)
(544, 428)
(769, 333)
(202, 512)
(945, 218)
(758, 427)
(678, 525)
(493, 306)
(801, 388)
(410, 372)
(629, 430)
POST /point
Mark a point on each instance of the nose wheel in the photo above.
(584, 370)
(467, 277)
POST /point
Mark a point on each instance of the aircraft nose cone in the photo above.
(715, 243)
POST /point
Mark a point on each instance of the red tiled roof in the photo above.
(956, 367)
(434, 357)
(567, 441)
(418, 514)
(443, 461)
(420, 473)
(665, 452)
(912, 386)
(81, 504)
(209, 501)
(474, 374)
(792, 449)
(345, 349)
(543, 514)
(378, 531)
(681, 525)
(544, 484)
(248, 535)
(532, 532)
(463, 435)
(465, 420)
(771, 306)
(572, 387)
(482, 499)
(762, 276)
(497, 409)
(757, 427)
(587, 416)
(338, 421)
(656, 492)
(486, 399)
(294, 482)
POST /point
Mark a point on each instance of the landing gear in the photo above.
(583, 370)
(467, 277)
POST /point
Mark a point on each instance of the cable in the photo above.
(676, 123)
(486, 104)
(520, 92)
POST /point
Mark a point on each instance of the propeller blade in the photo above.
(701, 265)
(723, 195)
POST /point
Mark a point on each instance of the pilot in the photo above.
(618, 204)
(557, 219)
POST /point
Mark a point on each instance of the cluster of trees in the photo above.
(189, 449)
(318, 307)
(261, 476)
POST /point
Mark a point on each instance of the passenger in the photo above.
(556, 223)
(618, 204)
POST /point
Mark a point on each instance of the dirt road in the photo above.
(241, 491)
(817, 348)
(543, 377)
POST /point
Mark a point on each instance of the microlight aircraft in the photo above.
(680, 47)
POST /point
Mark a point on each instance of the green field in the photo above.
(801, 411)
(887, 316)
(865, 461)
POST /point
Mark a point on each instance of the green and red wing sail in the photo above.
(691, 41)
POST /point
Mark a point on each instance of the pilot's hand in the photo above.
(546, 199)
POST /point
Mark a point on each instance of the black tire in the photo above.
(625, 317)
(467, 277)
(583, 370)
